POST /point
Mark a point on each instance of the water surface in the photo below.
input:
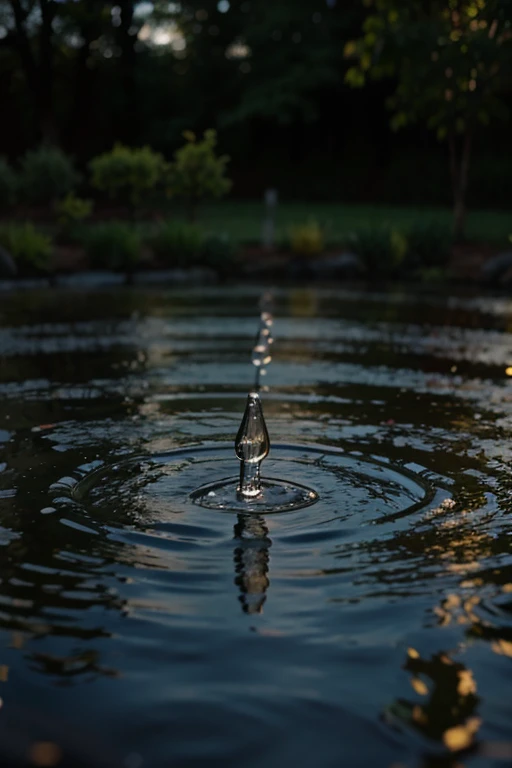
(140, 632)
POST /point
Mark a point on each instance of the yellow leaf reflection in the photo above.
(419, 686)
(447, 711)
(462, 736)
(503, 647)
(466, 684)
(45, 753)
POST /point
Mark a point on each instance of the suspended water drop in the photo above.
(252, 445)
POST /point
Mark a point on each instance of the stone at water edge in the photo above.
(8, 266)
(340, 265)
(498, 269)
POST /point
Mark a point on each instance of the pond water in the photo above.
(139, 629)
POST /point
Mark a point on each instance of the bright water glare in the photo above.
(139, 629)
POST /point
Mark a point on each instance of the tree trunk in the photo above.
(459, 166)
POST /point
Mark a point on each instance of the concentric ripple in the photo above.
(341, 485)
(369, 628)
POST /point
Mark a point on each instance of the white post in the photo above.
(268, 230)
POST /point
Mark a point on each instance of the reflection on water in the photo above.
(252, 557)
(446, 703)
(382, 635)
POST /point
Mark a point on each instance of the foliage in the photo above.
(47, 173)
(177, 244)
(127, 174)
(272, 65)
(218, 252)
(307, 239)
(423, 246)
(113, 245)
(73, 209)
(428, 245)
(31, 249)
(9, 184)
(382, 248)
(452, 62)
(197, 173)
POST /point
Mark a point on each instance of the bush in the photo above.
(113, 245)
(382, 249)
(428, 246)
(178, 244)
(9, 184)
(197, 173)
(127, 174)
(219, 253)
(47, 174)
(73, 209)
(30, 249)
(71, 213)
(307, 239)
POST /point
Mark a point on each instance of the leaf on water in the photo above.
(412, 653)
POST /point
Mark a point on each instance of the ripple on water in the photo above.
(186, 634)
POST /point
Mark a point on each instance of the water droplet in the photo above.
(252, 445)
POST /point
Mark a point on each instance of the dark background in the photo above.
(84, 74)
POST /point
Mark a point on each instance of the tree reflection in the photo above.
(251, 556)
(446, 709)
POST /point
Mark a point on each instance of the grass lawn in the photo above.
(243, 220)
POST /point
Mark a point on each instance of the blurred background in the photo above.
(338, 105)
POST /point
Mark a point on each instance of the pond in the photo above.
(139, 629)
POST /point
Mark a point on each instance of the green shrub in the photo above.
(383, 249)
(177, 244)
(113, 245)
(47, 174)
(127, 174)
(219, 253)
(30, 249)
(428, 245)
(9, 183)
(197, 173)
(73, 209)
(71, 213)
(307, 239)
